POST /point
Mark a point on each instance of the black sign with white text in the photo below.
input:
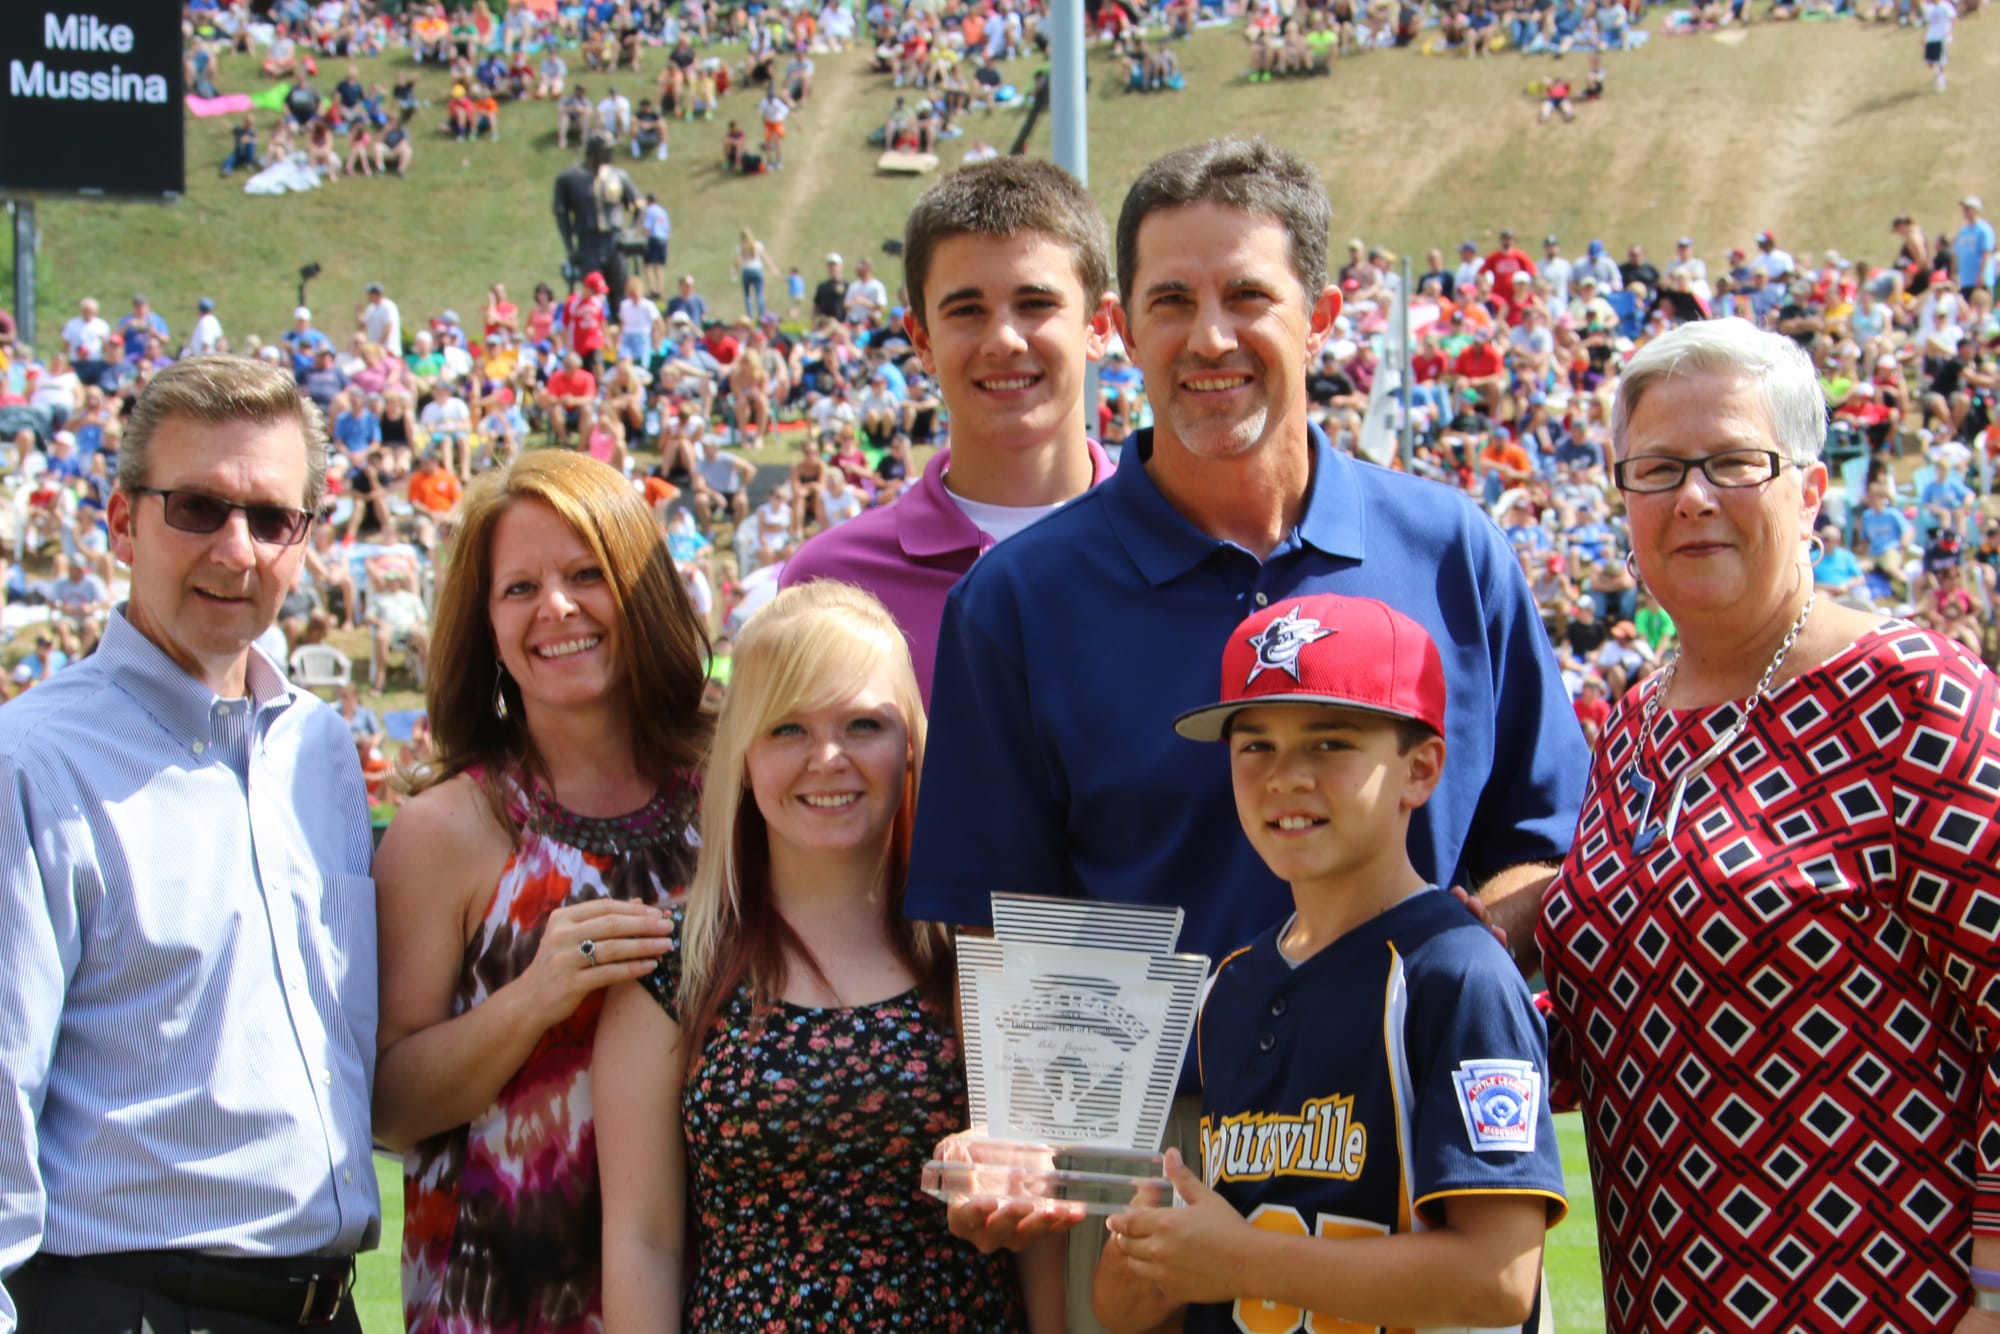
(91, 101)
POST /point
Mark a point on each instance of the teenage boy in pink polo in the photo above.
(1007, 265)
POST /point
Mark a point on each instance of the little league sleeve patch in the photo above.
(1499, 1100)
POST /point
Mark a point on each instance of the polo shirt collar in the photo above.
(929, 523)
(1165, 545)
(179, 703)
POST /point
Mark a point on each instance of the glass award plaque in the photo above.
(1076, 1017)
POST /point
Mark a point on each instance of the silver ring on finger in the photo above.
(588, 949)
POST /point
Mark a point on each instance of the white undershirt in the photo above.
(1000, 522)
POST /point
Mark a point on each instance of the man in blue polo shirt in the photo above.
(1066, 652)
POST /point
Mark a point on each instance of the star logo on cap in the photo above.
(1281, 642)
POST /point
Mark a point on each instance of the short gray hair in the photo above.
(218, 389)
(1778, 367)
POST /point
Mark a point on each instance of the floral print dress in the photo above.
(807, 1131)
(502, 1225)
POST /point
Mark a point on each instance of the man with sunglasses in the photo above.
(189, 995)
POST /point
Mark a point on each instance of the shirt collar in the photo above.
(1165, 545)
(929, 523)
(179, 703)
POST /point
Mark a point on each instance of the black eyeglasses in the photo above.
(1731, 469)
(196, 512)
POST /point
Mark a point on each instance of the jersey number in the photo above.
(1254, 1316)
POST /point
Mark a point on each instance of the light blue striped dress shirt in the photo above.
(187, 967)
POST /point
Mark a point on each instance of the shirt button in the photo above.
(1266, 1042)
(1263, 599)
(1277, 1007)
(326, 1077)
(348, 1177)
(200, 746)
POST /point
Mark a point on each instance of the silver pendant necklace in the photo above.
(1645, 788)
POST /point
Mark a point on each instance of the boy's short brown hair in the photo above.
(1002, 197)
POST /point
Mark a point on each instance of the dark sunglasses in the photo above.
(194, 512)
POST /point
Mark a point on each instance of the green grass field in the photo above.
(1571, 1256)
(1819, 131)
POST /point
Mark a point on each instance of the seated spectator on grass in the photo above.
(573, 116)
(323, 382)
(1837, 573)
(571, 402)
(688, 369)
(81, 598)
(395, 149)
(396, 621)
(838, 500)
(329, 576)
(447, 423)
(434, 491)
(550, 74)
(614, 114)
(368, 490)
(721, 483)
(649, 131)
(624, 396)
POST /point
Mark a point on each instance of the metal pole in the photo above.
(24, 270)
(1069, 120)
(1403, 357)
(1069, 142)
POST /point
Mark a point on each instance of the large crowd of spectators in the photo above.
(1514, 361)
(1514, 356)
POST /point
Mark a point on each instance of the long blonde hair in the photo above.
(810, 647)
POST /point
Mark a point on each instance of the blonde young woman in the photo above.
(751, 262)
(527, 875)
(770, 1090)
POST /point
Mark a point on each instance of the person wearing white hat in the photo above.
(303, 341)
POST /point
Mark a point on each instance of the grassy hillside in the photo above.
(1818, 131)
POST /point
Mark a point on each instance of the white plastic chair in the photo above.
(320, 665)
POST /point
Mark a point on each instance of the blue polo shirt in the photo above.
(1065, 654)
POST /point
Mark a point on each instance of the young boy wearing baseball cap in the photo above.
(1376, 1142)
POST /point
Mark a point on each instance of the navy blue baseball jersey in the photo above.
(1354, 1094)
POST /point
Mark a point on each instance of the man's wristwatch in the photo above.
(1985, 1299)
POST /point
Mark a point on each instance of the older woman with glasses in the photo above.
(1774, 949)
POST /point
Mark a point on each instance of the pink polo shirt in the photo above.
(909, 554)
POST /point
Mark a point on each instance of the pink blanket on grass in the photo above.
(229, 104)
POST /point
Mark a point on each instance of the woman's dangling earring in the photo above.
(500, 695)
(1632, 565)
(1815, 548)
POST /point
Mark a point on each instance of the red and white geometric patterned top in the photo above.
(1781, 1024)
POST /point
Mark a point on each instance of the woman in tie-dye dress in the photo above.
(530, 871)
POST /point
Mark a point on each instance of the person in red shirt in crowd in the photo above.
(571, 400)
(1479, 367)
(1503, 264)
(722, 342)
(583, 316)
(1592, 708)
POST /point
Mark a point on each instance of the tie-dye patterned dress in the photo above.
(502, 1226)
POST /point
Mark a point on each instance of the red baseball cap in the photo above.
(1340, 652)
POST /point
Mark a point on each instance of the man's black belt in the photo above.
(305, 1291)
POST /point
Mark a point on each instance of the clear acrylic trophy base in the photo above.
(1100, 1180)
